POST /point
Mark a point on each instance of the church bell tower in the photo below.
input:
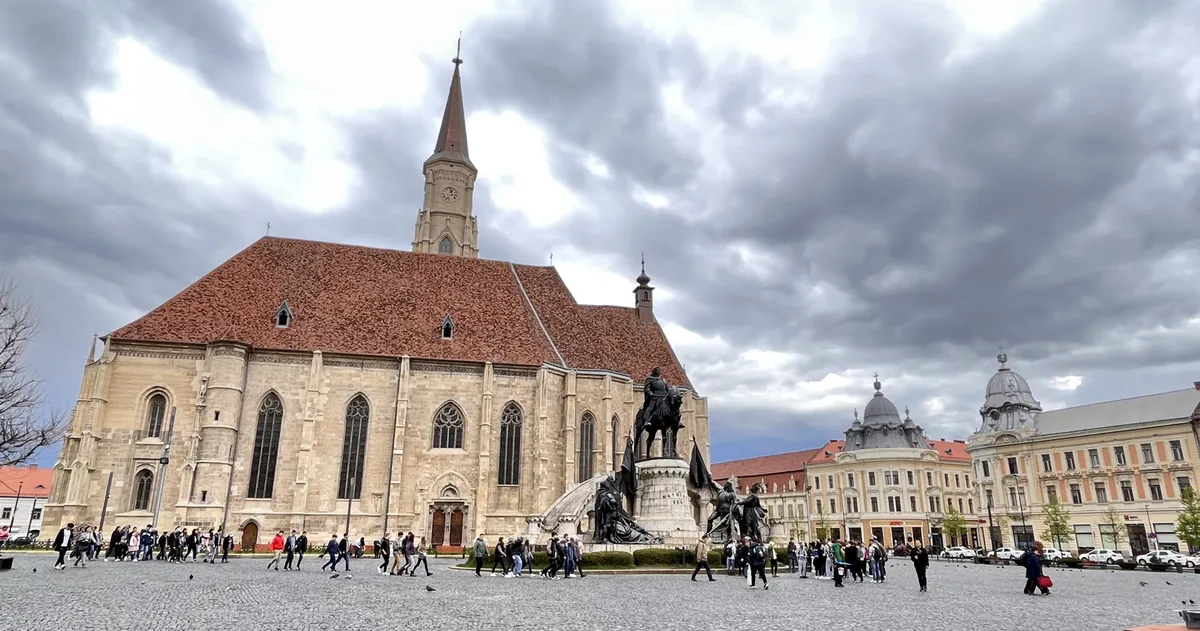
(445, 224)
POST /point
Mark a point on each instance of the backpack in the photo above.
(877, 553)
(756, 552)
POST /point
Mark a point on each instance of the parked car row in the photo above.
(1099, 555)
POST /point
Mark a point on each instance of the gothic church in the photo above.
(302, 384)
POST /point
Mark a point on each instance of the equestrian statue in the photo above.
(660, 412)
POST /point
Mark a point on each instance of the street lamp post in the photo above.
(991, 528)
(1021, 508)
(1150, 523)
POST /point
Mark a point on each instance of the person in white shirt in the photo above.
(62, 543)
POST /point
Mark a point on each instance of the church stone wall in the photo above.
(216, 423)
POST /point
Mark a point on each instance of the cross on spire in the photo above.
(458, 51)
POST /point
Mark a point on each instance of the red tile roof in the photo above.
(773, 469)
(958, 450)
(32, 481)
(828, 452)
(778, 468)
(368, 301)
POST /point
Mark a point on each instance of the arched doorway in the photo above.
(447, 515)
(249, 536)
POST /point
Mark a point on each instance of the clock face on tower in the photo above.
(449, 194)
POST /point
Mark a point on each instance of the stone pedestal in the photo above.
(663, 507)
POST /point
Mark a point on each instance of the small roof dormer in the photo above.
(284, 316)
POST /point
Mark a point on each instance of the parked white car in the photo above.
(1170, 557)
(1104, 555)
(958, 552)
(1054, 554)
(1007, 554)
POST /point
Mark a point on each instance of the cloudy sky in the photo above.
(822, 189)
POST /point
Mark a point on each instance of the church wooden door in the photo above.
(437, 533)
(456, 527)
(249, 537)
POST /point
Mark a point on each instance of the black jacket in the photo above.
(62, 541)
(920, 557)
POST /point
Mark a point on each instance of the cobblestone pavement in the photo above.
(244, 596)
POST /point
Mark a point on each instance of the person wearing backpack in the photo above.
(878, 556)
(756, 557)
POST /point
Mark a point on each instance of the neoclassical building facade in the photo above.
(1118, 468)
(885, 479)
(308, 385)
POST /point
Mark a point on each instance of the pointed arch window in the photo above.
(617, 443)
(266, 448)
(283, 316)
(143, 486)
(354, 448)
(447, 328)
(155, 413)
(448, 428)
(510, 445)
(587, 442)
(446, 246)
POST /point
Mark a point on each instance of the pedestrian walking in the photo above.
(701, 552)
(920, 560)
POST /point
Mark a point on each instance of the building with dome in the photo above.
(1118, 468)
(885, 479)
(331, 388)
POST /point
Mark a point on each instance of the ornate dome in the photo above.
(1008, 402)
(879, 410)
(882, 427)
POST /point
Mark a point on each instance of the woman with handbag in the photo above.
(1032, 560)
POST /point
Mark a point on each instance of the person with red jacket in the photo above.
(277, 550)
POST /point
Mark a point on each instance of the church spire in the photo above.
(451, 143)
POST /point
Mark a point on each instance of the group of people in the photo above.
(829, 560)
(403, 547)
(129, 543)
(294, 546)
(514, 557)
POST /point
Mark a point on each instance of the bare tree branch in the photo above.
(25, 427)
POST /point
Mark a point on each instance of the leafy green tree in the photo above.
(1187, 524)
(1116, 527)
(954, 525)
(1057, 521)
(822, 524)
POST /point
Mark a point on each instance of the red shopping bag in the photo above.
(1044, 582)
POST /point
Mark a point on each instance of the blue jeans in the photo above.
(518, 563)
(876, 570)
(570, 566)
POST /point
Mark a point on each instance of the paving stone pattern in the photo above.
(242, 595)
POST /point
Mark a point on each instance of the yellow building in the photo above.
(1118, 468)
(884, 480)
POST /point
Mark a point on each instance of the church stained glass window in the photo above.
(266, 448)
(618, 444)
(446, 246)
(143, 486)
(354, 448)
(510, 445)
(448, 428)
(587, 442)
(156, 413)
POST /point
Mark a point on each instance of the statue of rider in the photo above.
(655, 391)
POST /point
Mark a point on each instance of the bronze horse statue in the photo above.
(659, 414)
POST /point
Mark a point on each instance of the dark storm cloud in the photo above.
(1024, 189)
(922, 203)
(91, 224)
